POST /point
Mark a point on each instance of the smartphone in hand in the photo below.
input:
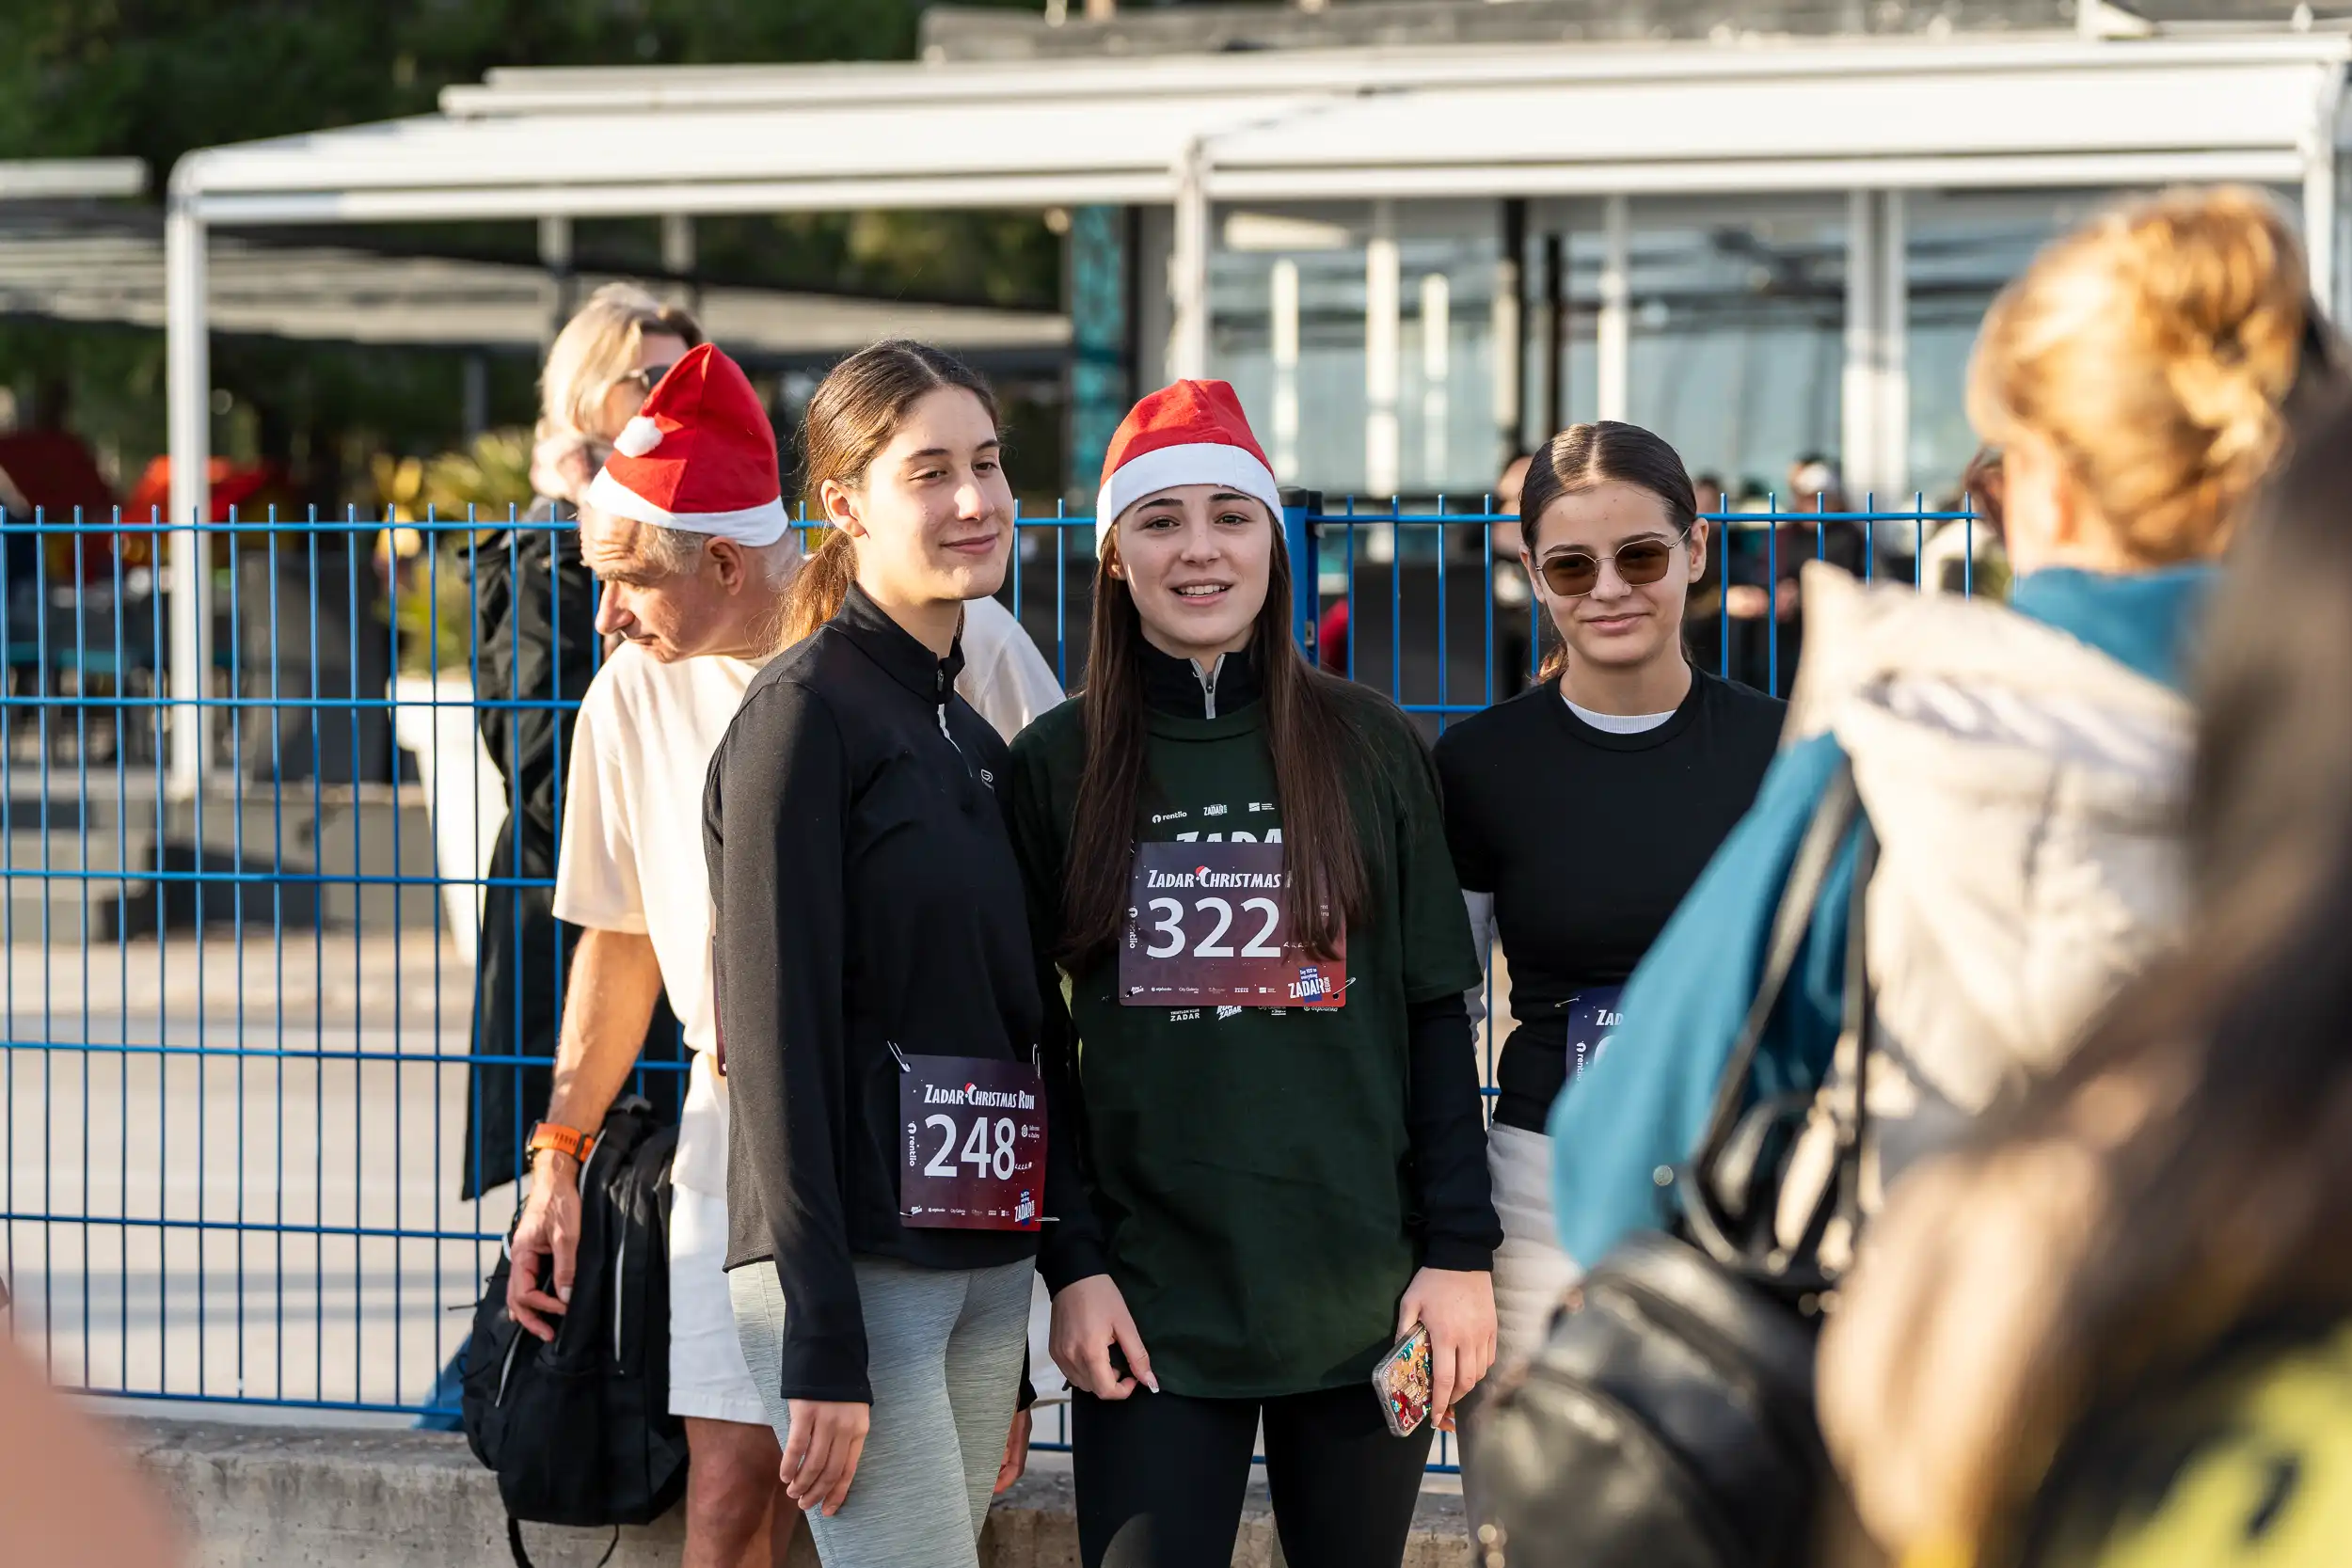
(1401, 1381)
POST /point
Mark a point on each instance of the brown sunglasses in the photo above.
(1573, 574)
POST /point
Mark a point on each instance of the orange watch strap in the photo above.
(563, 1140)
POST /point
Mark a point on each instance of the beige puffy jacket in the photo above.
(2026, 791)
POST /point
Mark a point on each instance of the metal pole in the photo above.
(1859, 384)
(1892, 475)
(677, 258)
(1436, 413)
(1383, 308)
(1510, 338)
(474, 392)
(2319, 213)
(188, 397)
(1555, 355)
(1188, 268)
(555, 255)
(1282, 316)
(1613, 342)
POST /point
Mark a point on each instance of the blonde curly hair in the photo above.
(2155, 348)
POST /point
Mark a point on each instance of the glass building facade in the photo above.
(1408, 348)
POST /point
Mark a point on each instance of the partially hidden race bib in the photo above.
(1593, 1017)
(972, 1152)
(1207, 925)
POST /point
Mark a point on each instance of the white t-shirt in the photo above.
(632, 858)
(1005, 677)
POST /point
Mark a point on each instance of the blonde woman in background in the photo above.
(2154, 1202)
(599, 372)
(2023, 767)
(534, 630)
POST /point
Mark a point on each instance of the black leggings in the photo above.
(1161, 1479)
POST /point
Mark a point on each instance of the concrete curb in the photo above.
(310, 1497)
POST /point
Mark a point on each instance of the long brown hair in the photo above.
(856, 411)
(1601, 453)
(1307, 731)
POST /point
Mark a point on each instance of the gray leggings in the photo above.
(942, 1351)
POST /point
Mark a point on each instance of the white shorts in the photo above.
(1531, 1272)
(707, 1377)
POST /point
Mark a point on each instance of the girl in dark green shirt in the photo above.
(1270, 1160)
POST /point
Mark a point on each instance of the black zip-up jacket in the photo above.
(866, 895)
(1455, 1203)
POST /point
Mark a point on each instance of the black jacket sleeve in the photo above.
(536, 625)
(1455, 1199)
(779, 798)
(1073, 1247)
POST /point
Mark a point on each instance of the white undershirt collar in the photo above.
(1619, 723)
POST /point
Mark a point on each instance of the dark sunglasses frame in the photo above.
(646, 377)
(1543, 567)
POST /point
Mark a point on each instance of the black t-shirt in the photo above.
(1588, 840)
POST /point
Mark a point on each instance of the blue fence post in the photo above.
(1306, 553)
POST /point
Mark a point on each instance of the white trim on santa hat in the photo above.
(752, 526)
(1194, 463)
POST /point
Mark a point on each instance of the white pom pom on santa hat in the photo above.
(637, 437)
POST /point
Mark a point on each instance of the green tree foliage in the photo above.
(156, 78)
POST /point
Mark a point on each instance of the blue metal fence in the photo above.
(244, 1064)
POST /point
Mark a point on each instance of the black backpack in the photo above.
(579, 1429)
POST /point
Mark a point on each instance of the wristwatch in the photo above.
(563, 1140)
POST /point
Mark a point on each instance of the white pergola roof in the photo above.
(79, 268)
(1739, 115)
(1967, 111)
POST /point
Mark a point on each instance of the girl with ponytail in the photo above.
(871, 954)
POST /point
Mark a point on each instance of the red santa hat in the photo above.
(699, 457)
(1192, 433)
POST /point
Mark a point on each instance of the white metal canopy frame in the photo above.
(1856, 115)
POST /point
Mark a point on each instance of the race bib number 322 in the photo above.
(1207, 925)
(971, 1144)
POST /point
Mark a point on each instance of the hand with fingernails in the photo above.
(1090, 1317)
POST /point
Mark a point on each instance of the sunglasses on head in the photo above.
(1573, 574)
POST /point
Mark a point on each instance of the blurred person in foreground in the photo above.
(67, 1498)
(536, 638)
(2023, 767)
(2117, 1329)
